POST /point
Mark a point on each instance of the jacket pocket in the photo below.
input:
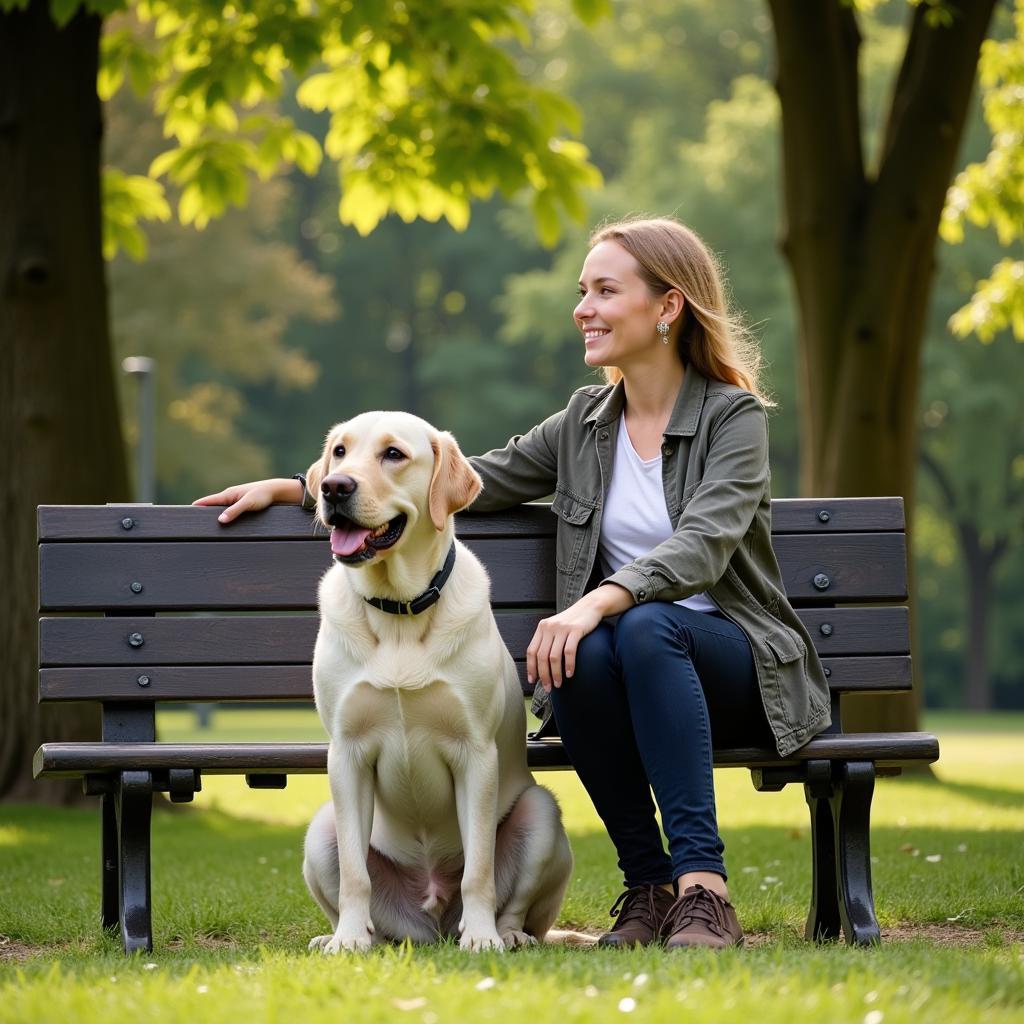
(574, 516)
(786, 646)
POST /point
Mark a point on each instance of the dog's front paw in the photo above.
(515, 939)
(318, 942)
(351, 938)
(477, 943)
(347, 943)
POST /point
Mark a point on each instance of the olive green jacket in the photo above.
(716, 479)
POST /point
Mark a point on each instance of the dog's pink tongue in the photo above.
(348, 540)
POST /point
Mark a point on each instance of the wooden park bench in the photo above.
(145, 604)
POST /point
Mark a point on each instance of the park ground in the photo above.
(232, 916)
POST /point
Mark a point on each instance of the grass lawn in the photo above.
(232, 916)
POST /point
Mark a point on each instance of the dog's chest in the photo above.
(402, 722)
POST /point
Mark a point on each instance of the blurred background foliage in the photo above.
(276, 320)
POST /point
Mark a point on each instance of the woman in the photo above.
(672, 627)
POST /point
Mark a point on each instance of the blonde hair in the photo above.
(711, 338)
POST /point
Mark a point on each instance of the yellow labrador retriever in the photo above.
(436, 827)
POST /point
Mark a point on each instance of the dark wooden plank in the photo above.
(177, 683)
(72, 759)
(283, 575)
(880, 675)
(858, 630)
(288, 639)
(288, 522)
(178, 640)
(854, 567)
(294, 682)
(257, 575)
(280, 522)
(837, 515)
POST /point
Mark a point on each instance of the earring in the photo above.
(662, 329)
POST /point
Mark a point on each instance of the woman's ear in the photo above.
(672, 305)
(454, 484)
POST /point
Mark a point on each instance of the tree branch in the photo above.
(926, 119)
(943, 482)
(816, 79)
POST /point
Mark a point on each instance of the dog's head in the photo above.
(381, 476)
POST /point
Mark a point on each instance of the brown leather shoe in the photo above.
(640, 911)
(701, 917)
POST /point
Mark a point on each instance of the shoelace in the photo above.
(701, 905)
(631, 906)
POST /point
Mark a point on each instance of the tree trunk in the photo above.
(861, 249)
(977, 689)
(59, 427)
(980, 561)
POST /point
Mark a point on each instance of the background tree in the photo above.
(860, 237)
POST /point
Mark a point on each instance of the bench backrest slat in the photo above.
(177, 575)
(293, 682)
(288, 639)
(184, 522)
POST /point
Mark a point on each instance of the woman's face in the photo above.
(617, 312)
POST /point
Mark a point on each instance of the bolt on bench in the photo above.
(163, 604)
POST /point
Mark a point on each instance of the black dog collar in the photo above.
(426, 599)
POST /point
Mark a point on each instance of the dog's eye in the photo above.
(339, 451)
(393, 455)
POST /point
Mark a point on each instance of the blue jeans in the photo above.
(652, 691)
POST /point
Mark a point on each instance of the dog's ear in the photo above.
(455, 483)
(316, 473)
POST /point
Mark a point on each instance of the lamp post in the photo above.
(144, 369)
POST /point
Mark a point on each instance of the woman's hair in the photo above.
(711, 338)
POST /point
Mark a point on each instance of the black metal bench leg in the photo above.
(109, 874)
(853, 787)
(823, 920)
(134, 807)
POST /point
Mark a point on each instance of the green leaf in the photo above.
(591, 11)
(545, 218)
(62, 11)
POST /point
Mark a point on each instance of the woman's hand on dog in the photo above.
(551, 656)
(252, 497)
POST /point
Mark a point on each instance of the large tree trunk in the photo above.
(59, 428)
(861, 249)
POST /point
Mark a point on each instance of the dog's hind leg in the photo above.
(393, 901)
(320, 868)
(533, 865)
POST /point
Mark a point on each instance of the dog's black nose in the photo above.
(337, 487)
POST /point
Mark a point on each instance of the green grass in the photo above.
(232, 916)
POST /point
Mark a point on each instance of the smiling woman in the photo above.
(672, 629)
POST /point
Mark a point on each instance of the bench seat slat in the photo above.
(74, 759)
(174, 683)
(285, 522)
(283, 575)
(289, 639)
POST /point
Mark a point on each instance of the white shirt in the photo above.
(635, 517)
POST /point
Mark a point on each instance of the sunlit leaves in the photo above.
(126, 201)
(991, 194)
(997, 304)
(427, 111)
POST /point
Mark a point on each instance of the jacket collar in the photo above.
(685, 413)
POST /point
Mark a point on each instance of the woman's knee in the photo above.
(655, 622)
(595, 655)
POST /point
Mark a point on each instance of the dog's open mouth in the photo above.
(351, 542)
